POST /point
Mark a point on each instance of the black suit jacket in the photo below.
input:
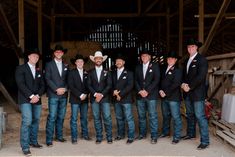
(124, 84)
(171, 82)
(150, 82)
(196, 78)
(104, 86)
(27, 85)
(54, 80)
(77, 86)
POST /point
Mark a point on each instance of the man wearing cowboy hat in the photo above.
(77, 82)
(31, 86)
(123, 83)
(56, 78)
(100, 84)
(194, 87)
(147, 77)
(171, 80)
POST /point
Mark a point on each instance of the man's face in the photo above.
(192, 49)
(58, 54)
(119, 63)
(145, 58)
(98, 61)
(33, 58)
(79, 63)
(171, 61)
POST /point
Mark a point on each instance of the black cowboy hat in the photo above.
(172, 54)
(145, 52)
(59, 47)
(32, 51)
(193, 41)
(120, 56)
(78, 56)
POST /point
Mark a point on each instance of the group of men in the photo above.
(99, 84)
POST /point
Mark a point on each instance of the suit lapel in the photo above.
(29, 71)
(195, 59)
(55, 67)
(95, 75)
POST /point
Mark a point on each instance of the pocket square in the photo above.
(65, 69)
(193, 66)
(150, 70)
(124, 78)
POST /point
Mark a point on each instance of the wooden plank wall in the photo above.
(224, 62)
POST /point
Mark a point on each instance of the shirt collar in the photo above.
(99, 68)
(146, 65)
(121, 69)
(58, 62)
(31, 66)
(192, 57)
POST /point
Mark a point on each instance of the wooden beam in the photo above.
(21, 28)
(52, 25)
(139, 7)
(8, 96)
(39, 10)
(201, 21)
(226, 15)
(181, 26)
(111, 15)
(151, 6)
(222, 56)
(10, 33)
(70, 6)
(215, 26)
(82, 7)
(168, 29)
(31, 2)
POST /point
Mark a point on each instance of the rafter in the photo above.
(70, 6)
(151, 6)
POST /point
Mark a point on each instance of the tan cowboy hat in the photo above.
(98, 54)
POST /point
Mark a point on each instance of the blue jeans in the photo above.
(171, 109)
(195, 110)
(75, 108)
(55, 119)
(29, 125)
(124, 113)
(97, 110)
(144, 106)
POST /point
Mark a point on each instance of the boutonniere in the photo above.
(85, 72)
(169, 73)
(105, 72)
(194, 60)
(193, 66)
(39, 75)
(37, 69)
(172, 68)
(65, 69)
(150, 70)
(150, 65)
(125, 72)
(124, 78)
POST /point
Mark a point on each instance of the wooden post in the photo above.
(168, 29)
(181, 16)
(1, 129)
(21, 28)
(215, 25)
(39, 12)
(52, 25)
(201, 22)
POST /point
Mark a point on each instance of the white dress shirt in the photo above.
(145, 67)
(168, 68)
(59, 66)
(80, 71)
(190, 61)
(119, 72)
(33, 69)
(98, 72)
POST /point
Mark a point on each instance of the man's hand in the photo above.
(98, 97)
(34, 99)
(162, 93)
(185, 87)
(83, 97)
(143, 93)
(60, 91)
(116, 92)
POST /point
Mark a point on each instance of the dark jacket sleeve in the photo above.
(20, 81)
(109, 84)
(202, 72)
(71, 85)
(175, 83)
(129, 86)
(156, 79)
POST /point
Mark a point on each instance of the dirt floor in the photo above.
(11, 146)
